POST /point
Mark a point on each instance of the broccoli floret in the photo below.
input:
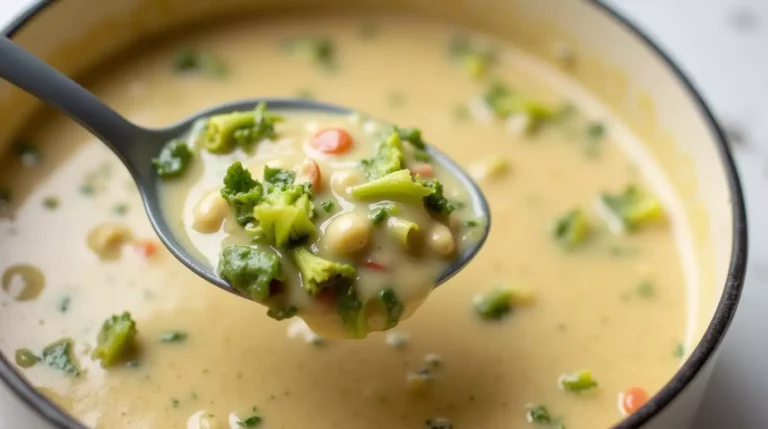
(116, 340)
(436, 201)
(494, 305)
(282, 313)
(60, 355)
(173, 159)
(572, 229)
(242, 192)
(350, 311)
(285, 214)
(630, 209)
(397, 186)
(505, 103)
(577, 382)
(250, 270)
(279, 176)
(393, 306)
(412, 136)
(389, 158)
(244, 129)
(318, 273)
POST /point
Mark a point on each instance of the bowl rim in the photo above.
(696, 361)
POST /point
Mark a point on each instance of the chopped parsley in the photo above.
(645, 289)
(472, 223)
(51, 202)
(327, 206)
(194, 61)
(173, 160)
(595, 131)
(120, 209)
(252, 421)
(173, 337)
(577, 382)
(60, 355)
(539, 415)
(380, 213)
(63, 304)
(679, 351)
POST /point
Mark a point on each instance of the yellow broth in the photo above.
(614, 305)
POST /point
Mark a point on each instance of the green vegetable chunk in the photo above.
(116, 340)
(474, 60)
(572, 229)
(242, 192)
(25, 358)
(505, 103)
(318, 273)
(173, 160)
(350, 310)
(630, 209)
(436, 201)
(243, 129)
(389, 158)
(495, 305)
(392, 305)
(327, 206)
(412, 136)
(539, 414)
(250, 270)
(397, 186)
(60, 355)
(250, 422)
(282, 313)
(380, 212)
(193, 61)
(577, 382)
(173, 337)
(285, 214)
(318, 50)
(278, 176)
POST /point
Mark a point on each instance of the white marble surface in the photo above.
(723, 46)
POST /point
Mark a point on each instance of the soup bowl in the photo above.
(602, 51)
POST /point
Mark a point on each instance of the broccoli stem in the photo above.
(219, 135)
(397, 186)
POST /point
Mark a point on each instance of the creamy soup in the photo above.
(575, 304)
(338, 219)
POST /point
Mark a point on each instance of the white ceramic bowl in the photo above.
(614, 60)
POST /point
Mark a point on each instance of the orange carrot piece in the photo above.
(332, 141)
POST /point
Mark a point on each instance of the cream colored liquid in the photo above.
(586, 314)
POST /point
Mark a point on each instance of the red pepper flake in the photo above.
(374, 266)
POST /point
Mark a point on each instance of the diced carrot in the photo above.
(310, 171)
(632, 399)
(374, 266)
(333, 141)
(146, 247)
(423, 170)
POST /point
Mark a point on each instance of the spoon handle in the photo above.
(24, 70)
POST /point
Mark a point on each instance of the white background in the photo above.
(723, 47)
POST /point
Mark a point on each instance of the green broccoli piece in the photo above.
(243, 129)
(318, 50)
(282, 313)
(173, 160)
(380, 212)
(397, 186)
(436, 201)
(250, 270)
(389, 158)
(630, 209)
(539, 414)
(116, 340)
(393, 306)
(350, 310)
(278, 176)
(577, 382)
(318, 273)
(572, 229)
(192, 61)
(242, 192)
(495, 305)
(412, 136)
(60, 355)
(327, 206)
(505, 103)
(285, 214)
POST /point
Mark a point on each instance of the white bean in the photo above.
(107, 240)
(347, 234)
(209, 213)
(441, 240)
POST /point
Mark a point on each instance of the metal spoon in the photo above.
(136, 146)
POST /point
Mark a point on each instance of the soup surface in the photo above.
(559, 315)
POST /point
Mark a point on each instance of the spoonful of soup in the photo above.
(308, 208)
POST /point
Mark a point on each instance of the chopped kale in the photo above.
(250, 422)
(173, 160)
(350, 310)
(60, 355)
(436, 202)
(279, 176)
(505, 103)
(250, 270)
(282, 313)
(242, 192)
(327, 206)
(389, 158)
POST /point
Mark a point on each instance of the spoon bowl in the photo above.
(136, 146)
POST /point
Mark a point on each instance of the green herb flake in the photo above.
(51, 202)
(571, 229)
(327, 206)
(539, 415)
(194, 61)
(645, 289)
(318, 50)
(422, 155)
(120, 209)
(577, 382)
(494, 305)
(282, 313)
(173, 160)
(60, 355)
(679, 351)
(595, 131)
(25, 358)
(630, 209)
(474, 59)
(471, 223)
(439, 423)
(29, 154)
(86, 190)
(380, 213)
(173, 337)
(250, 422)
(174, 403)
(63, 304)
